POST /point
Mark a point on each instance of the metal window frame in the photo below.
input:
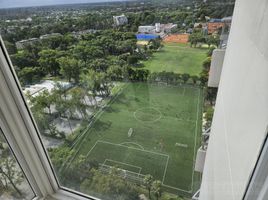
(21, 132)
(257, 187)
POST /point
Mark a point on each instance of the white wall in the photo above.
(241, 113)
(216, 67)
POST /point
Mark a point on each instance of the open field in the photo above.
(166, 125)
(177, 58)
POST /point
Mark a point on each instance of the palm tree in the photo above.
(148, 181)
(157, 190)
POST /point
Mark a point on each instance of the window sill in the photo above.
(68, 195)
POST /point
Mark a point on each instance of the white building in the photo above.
(157, 28)
(120, 20)
(240, 120)
(146, 29)
(49, 35)
(216, 67)
(21, 44)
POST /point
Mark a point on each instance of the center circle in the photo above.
(147, 114)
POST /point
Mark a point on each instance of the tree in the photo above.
(70, 68)
(53, 42)
(155, 44)
(91, 83)
(59, 156)
(185, 77)
(213, 40)
(148, 181)
(11, 48)
(46, 100)
(24, 59)
(96, 83)
(110, 185)
(210, 51)
(194, 79)
(207, 63)
(203, 77)
(28, 74)
(10, 173)
(196, 37)
(115, 72)
(78, 96)
(85, 51)
(211, 94)
(49, 61)
(157, 189)
(100, 64)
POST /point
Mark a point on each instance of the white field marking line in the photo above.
(123, 163)
(183, 93)
(165, 171)
(98, 114)
(130, 172)
(96, 117)
(140, 168)
(93, 121)
(186, 120)
(101, 141)
(132, 143)
(188, 191)
(104, 162)
(140, 171)
(92, 148)
(196, 128)
(155, 120)
(152, 152)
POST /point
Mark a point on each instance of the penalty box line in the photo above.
(160, 154)
(123, 163)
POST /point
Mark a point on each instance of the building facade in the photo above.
(240, 120)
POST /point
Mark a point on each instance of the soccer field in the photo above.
(148, 129)
(177, 58)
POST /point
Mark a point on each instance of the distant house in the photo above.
(167, 28)
(159, 29)
(189, 30)
(23, 43)
(213, 27)
(29, 19)
(120, 20)
(49, 35)
(84, 32)
(147, 29)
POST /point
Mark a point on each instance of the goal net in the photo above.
(129, 175)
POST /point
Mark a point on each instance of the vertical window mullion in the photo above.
(21, 133)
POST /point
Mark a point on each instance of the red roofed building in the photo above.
(214, 26)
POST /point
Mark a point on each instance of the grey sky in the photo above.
(27, 3)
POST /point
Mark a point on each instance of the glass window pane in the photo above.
(13, 184)
(119, 90)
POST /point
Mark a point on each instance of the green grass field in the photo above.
(166, 124)
(177, 58)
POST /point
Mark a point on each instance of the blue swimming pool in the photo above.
(146, 36)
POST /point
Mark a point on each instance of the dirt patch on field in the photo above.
(177, 38)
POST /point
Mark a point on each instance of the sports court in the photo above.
(147, 129)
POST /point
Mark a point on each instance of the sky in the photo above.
(28, 3)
